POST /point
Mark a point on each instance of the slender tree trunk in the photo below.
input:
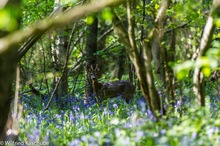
(150, 45)
(168, 56)
(131, 72)
(59, 52)
(63, 86)
(90, 50)
(198, 77)
(121, 63)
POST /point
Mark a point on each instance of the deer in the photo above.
(104, 90)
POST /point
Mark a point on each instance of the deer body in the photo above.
(111, 89)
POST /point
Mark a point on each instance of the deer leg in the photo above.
(124, 96)
(128, 98)
(96, 97)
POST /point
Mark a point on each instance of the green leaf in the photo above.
(207, 62)
(206, 71)
(217, 22)
(7, 22)
(70, 2)
(182, 69)
(107, 16)
(182, 74)
(89, 19)
(157, 6)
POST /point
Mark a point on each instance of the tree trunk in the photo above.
(128, 41)
(59, 52)
(143, 70)
(198, 77)
(7, 72)
(90, 50)
(168, 56)
(121, 63)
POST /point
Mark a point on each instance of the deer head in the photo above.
(95, 72)
(103, 90)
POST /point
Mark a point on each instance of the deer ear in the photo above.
(99, 65)
(88, 68)
(91, 67)
(97, 69)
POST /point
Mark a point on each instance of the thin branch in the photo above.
(184, 25)
(105, 34)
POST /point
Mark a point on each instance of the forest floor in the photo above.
(114, 122)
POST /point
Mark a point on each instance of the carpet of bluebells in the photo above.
(117, 123)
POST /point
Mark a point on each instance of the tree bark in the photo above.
(121, 63)
(90, 50)
(7, 72)
(169, 56)
(198, 77)
(133, 53)
(59, 52)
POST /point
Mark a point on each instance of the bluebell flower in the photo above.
(82, 116)
(194, 134)
(35, 135)
(150, 115)
(126, 141)
(97, 134)
(75, 142)
(162, 131)
(84, 139)
(139, 135)
(117, 132)
(177, 104)
(115, 105)
(210, 131)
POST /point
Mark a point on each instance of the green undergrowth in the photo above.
(114, 122)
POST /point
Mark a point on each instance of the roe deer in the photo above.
(110, 89)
